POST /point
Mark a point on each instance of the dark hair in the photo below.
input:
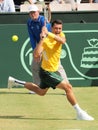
(57, 21)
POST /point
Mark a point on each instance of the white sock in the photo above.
(77, 108)
(19, 82)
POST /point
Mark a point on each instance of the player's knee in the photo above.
(68, 87)
(42, 93)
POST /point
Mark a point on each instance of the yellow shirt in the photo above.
(51, 53)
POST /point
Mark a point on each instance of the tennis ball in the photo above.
(15, 38)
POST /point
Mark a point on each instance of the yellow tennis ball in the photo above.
(15, 38)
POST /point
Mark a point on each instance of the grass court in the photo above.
(20, 110)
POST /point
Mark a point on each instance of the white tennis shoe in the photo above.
(84, 116)
(11, 82)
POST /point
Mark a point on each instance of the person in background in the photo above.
(34, 25)
(50, 46)
(45, 6)
(39, 1)
(85, 1)
(18, 3)
(32, 1)
(7, 6)
(93, 1)
(72, 2)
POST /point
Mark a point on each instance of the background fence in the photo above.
(79, 55)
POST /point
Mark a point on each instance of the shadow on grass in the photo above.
(56, 94)
(14, 93)
(30, 93)
(32, 118)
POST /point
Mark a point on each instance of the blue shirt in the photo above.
(34, 29)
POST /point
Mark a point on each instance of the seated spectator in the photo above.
(93, 1)
(18, 3)
(32, 1)
(72, 2)
(85, 1)
(89, 1)
(38, 1)
(7, 6)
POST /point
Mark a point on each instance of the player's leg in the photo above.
(35, 88)
(29, 85)
(69, 92)
(81, 114)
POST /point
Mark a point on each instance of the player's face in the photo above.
(34, 15)
(57, 28)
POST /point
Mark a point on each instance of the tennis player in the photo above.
(50, 47)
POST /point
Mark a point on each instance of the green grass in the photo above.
(22, 111)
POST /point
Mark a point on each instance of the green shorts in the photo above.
(49, 79)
